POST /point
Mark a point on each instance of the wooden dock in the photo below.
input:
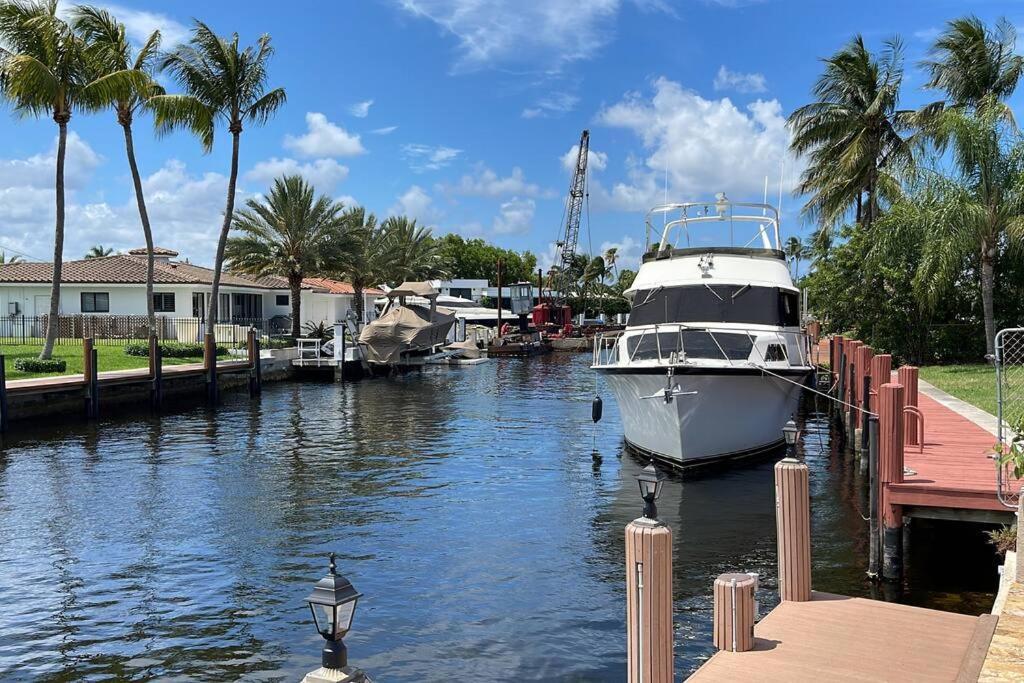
(836, 638)
(44, 385)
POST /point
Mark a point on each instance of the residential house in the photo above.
(116, 286)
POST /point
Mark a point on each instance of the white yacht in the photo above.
(713, 359)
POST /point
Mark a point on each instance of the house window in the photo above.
(198, 305)
(247, 307)
(95, 302)
(282, 299)
(163, 302)
(223, 308)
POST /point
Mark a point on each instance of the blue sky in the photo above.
(463, 113)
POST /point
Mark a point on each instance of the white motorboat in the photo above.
(713, 359)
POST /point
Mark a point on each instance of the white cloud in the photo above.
(515, 216)
(386, 130)
(596, 161)
(139, 24)
(487, 183)
(552, 105)
(429, 157)
(739, 82)
(360, 109)
(627, 252)
(707, 146)
(324, 139)
(37, 171)
(324, 174)
(545, 34)
(415, 203)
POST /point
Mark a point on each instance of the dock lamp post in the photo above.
(650, 480)
(791, 433)
(333, 604)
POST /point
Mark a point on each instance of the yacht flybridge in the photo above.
(711, 363)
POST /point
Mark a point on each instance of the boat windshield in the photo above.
(717, 223)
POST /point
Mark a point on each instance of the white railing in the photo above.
(622, 348)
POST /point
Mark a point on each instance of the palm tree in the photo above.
(795, 250)
(221, 82)
(367, 260)
(294, 233)
(110, 51)
(851, 134)
(978, 211)
(98, 251)
(44, 72)
(975, 66)
(611, 255)
(593, 273)
(416, 254)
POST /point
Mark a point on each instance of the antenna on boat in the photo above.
(778, 214)
(765, 242)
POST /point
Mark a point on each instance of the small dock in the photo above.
(837, 638)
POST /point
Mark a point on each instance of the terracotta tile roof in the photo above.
(157, 251)
(124, 269)
(336, 286)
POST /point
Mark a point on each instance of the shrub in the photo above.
(1004, 538)
(171, 349)
(39, 365)
(270, 343)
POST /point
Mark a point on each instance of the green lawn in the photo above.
(109, 357)
(975, 384)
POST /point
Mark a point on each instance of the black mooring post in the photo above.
(873, 545)
(157, 393)
(3, 394)
(866, 405)
(259, 368)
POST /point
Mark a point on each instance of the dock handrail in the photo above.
(914, 410)
(717, 211)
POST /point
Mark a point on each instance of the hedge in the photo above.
(171, 349)
(39, 365)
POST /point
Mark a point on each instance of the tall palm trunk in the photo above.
(988, 281)
(129, 146)
(357, 295)
(218, 265)
(295, 286)
(58, 238)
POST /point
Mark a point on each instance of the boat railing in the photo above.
(677, 218)
(769, 348)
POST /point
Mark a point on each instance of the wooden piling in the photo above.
(3, 394)
(851, 400)
(866, 404)
(253, 354)
(734, 612)
(874, 560)
(841, 385)
(90, 360)
(793, 523)
(890, 458)
(864, 355)
(908, 377)
(210, 365)
(649, 632)
(156, 373)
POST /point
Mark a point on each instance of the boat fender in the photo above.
(596, 409)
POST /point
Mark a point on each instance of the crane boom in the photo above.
(574, 210)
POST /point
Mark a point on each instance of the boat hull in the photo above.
(731, 415)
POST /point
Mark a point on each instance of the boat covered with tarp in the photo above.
(405, 329)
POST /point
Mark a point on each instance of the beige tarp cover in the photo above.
(414, 289)
(403, 328)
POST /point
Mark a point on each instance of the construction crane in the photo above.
(556, 313)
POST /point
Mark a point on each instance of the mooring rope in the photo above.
(813, 391)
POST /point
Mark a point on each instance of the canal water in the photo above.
(463, 503)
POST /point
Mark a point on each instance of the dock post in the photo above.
(861, 442)
(864, 354)
(851, 409)
(873, 538)
(339, 352)
(841, 382)
(734, 612)
(253, 357)
(156, 373)
(649, 633)
(890, 457)
(908, 377)
(91, 378)
(210, 365)
(3, 394)
(793, 522)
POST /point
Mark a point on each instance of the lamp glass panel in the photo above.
(647, 488)
(345, 612)
(324, 615)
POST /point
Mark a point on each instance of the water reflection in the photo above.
(463, 502)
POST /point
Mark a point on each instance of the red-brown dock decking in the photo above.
(47, 384)
(836, 638)
(955, 470)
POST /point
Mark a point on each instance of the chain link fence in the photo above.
(1009, 359)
